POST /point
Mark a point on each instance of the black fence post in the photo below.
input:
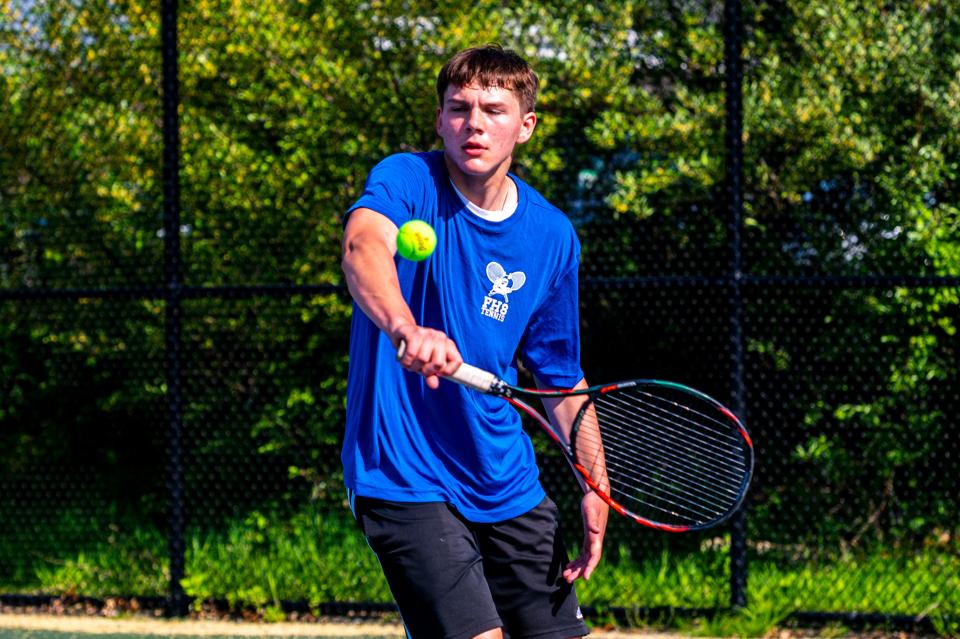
(734, 194)
(176, 604)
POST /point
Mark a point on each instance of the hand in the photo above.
(428, 352)
(595, 512)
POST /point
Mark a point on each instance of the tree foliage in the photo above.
(851, 135)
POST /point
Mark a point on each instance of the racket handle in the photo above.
(475, 378)
(470, 376)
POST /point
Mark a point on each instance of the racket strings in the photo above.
(643, 453)
(679, 463)
(705, 505)
(697, 424)
(665, 447)
(666, 434)
(690, 508)
(620, 464)
(662, 475)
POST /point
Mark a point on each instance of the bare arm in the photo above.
(369, 244)
(562, 412)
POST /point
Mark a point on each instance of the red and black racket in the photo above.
(665, 455)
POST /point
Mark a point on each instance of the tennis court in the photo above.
(50, 627)
(29, 627)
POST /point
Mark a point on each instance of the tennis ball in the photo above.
(416, 240)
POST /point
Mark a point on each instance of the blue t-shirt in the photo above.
(493, 288)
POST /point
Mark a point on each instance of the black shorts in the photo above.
(453, 579)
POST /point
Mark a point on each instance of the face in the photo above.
(480, 128)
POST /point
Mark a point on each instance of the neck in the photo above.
(489, 192)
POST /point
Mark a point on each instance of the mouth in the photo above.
(473, 148)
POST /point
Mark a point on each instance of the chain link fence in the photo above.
(767, 207)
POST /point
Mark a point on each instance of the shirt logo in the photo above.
(503, 284)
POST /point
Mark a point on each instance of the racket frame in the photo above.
(488, 383)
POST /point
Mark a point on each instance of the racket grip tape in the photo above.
(475, 378)
(470, 376)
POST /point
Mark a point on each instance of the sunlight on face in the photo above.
(480, 128)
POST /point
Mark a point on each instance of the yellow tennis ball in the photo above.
(416, 240)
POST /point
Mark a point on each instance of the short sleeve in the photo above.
(392, 189)
(551, 345)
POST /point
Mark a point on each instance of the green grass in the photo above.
(312, 557)
(886, 581)
(261, 560)
(256, 561)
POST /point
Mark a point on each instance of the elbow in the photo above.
(361, 255)
(345, 258)
(348, 256)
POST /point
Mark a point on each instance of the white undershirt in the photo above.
(491, 216)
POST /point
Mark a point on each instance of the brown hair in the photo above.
(491, 66)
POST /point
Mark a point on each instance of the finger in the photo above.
(592, 562)
(433, 381)
(574, 570)
(437, 359)
(571, 574)
(421, 357)
(454, 359)
(408, 354)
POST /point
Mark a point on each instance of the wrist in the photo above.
(398, 328)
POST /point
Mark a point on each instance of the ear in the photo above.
(527, 124)
(437, 122)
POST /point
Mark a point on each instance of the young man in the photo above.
(442, 479)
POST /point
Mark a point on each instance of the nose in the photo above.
(475, 121)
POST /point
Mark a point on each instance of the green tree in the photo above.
(851, 137)
(851, 141)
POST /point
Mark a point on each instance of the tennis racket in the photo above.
(660, 453)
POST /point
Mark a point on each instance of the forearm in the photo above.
(562, 413)
(563, 410)
(589, 449)
(369, 245)
(589, 454)
(372, 280)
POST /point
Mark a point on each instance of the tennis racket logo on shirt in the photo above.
(503, 284)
